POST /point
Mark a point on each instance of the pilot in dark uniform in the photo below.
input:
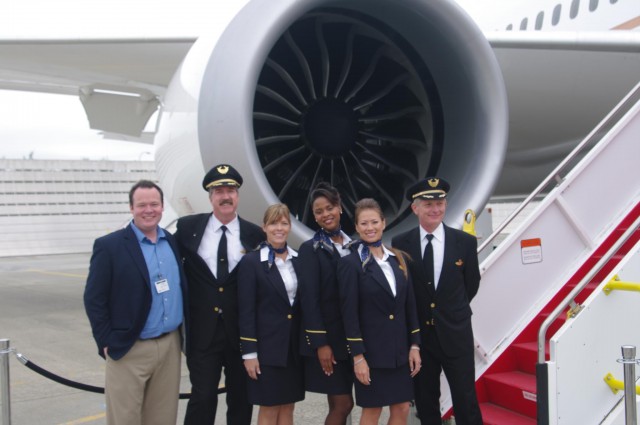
(446, 277)
(211, 246)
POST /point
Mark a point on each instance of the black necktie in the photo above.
(427, 260)
(223, 262)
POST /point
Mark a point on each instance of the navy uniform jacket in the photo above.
(320, 301)
(446, 308)
(377, 324)
(117, 296)
(268, 322)
(206, 296)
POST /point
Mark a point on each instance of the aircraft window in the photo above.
(575, 6)
(510, 27)
(556, 15)
(523, 24)
(539, 20)
(593, 5)
(613, 1)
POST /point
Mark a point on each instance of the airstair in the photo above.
(580, 235)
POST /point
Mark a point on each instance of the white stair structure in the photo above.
(580, 217)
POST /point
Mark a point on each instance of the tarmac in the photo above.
(42, 315)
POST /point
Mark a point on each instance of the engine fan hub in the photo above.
(330, 128)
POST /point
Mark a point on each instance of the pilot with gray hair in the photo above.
(446, 277)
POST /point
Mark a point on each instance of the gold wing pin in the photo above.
(459, 262)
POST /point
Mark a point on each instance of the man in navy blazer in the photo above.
(446, 277)
(211, 245)
(135, 301)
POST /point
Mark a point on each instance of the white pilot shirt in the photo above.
(208, 248)
(438, 250)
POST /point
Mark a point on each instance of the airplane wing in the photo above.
(119, 81)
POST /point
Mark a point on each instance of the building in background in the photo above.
(61, 206)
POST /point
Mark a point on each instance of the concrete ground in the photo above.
(42, 315)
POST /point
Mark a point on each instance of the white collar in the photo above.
(232, 226)
(438, 233)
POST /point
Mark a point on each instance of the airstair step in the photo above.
(526, 354)
(513, 390)
(495, 415)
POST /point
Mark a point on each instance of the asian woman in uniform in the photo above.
(380, 320)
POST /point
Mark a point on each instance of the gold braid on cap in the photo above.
(223, 182)
(429, 193)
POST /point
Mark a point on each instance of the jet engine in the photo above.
(368, 95)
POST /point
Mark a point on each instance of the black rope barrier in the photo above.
(80, 386)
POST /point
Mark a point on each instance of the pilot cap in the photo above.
(431, 188)
(222, 175)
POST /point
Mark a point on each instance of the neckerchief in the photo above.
(322, 239)
(365, 254)
(273, 251)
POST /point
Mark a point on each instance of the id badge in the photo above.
(162, 286)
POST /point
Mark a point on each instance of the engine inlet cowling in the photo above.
(369, 96)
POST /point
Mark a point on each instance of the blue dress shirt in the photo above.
(166, 308)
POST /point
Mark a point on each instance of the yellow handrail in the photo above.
(616, 283)
(616, 384)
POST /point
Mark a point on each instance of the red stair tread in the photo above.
(496, 415)
(513, 390)
(526, 354)
(524, 381)
(531, 346)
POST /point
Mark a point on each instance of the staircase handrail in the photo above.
(597, 133)
(566, 302)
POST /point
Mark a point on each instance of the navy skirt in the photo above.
(277, 385)
(388, 386)
(340, 382)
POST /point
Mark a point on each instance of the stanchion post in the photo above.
(4, 381)
(629, 361)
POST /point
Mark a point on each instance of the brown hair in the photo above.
(145, 184)
(367, 204)
(372, 204)
(275, 212)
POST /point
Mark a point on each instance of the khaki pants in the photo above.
(142, 388)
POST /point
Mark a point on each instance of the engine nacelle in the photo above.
(369, 95)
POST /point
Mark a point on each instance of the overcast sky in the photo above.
(45, 126)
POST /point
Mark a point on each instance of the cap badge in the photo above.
(433, 182)
(223, 169)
